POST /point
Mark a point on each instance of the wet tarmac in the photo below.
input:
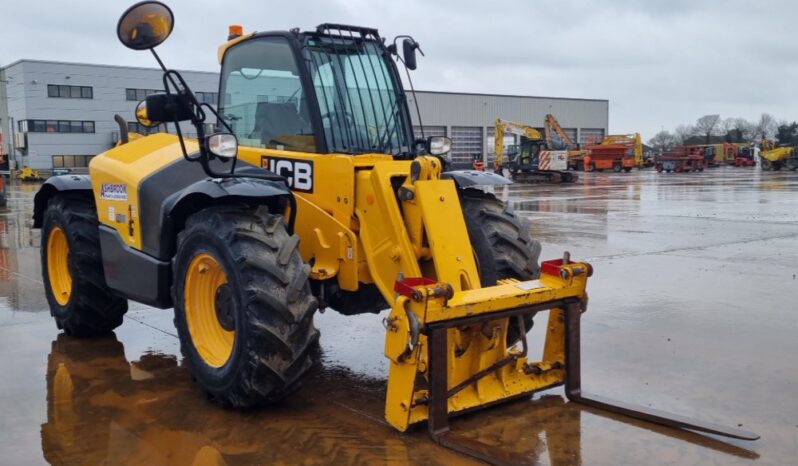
(694, 309)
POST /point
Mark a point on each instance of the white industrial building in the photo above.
(56, 114)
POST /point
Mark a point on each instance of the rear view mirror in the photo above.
(163, 108)
(145, 25)
(142, 116)
(409, 47)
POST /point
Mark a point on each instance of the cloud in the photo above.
(660, 63)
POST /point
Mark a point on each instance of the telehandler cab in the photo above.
(312, 193)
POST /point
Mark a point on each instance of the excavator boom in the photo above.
(535, 161)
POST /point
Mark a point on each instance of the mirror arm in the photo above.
(395, 49)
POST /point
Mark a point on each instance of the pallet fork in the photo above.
(449, 363)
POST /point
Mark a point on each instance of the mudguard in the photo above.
(54, 185)
(176, 208)
(469, 178)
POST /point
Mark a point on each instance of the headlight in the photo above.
(223, 145)
(439, 145)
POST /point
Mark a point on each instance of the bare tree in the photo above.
(708, 126)
(765, 127)
(682, 133)
(738, 130)
(662, 141)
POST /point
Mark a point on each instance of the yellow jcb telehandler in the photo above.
(312, 193)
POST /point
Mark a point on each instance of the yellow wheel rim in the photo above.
(212, 340)
(58, 266)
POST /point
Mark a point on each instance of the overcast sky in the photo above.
(660, 63)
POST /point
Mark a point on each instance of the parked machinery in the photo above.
(745, 157)
(247, 242)
(477, 163)
(28, 174)
(617, 152)
(709, 154)
(3, 173)
(557, 138)
(681, 159)
(720, 154)
(3, 190)
(775, 157)
(532, 160)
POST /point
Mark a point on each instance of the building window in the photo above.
(71, 161)
(69, 92)
(207, 97)
(135, 127)
(139, 94)
(56, 126)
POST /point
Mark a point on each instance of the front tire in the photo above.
(243, 306)
(72, 270)
(503, 246)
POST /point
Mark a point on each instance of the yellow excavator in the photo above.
(532, 160)
(559, 139)
(319, 199)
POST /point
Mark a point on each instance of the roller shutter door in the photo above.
(466, 143)
(591, 135)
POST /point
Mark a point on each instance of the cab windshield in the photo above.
(359, 102)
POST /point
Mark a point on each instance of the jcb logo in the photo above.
(299, 173)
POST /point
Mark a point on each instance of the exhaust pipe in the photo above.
(123, 136)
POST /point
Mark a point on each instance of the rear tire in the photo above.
(79, 299)
(265, 301)
(617, 168)
(766, 164)
(502, 245)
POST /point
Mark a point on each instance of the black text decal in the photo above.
(299, 173)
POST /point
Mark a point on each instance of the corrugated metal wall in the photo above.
(451, 109)
(580, 118)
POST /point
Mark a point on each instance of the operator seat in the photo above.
(277, 119)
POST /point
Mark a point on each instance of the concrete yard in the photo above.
(693, 309)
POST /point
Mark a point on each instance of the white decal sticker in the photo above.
(531, 285)
(111, 213)
(113, 192)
